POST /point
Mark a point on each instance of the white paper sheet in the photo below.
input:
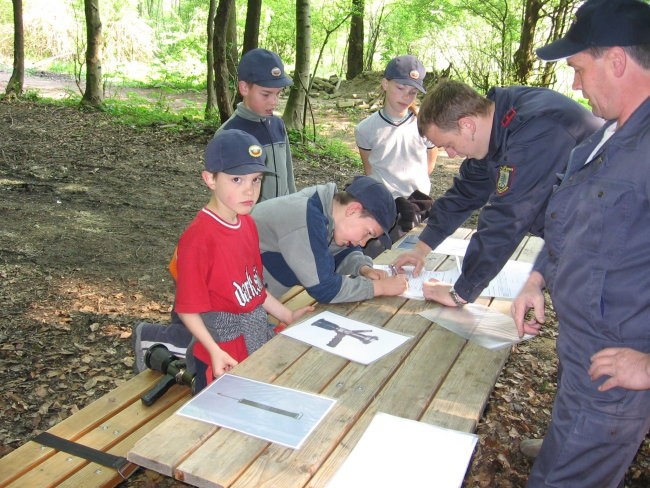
(477, 323)
(396, 452)
(351, 339)
(452, 246)
(273, 413)
(506, 284)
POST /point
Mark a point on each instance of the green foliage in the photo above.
(406, 24)
(322, 147)
(278, 29)
(31, 95)
(141, 111)
(162, 42)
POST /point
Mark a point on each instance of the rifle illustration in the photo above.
(263, 406)
(342, 332)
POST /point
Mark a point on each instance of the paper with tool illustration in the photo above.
(397, 452)
(351, 339)
(273, 413)
(477, 323)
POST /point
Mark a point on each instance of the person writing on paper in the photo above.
(515, 142)
(595, 262)
(314, 238)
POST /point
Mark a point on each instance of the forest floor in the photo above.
(91, 211)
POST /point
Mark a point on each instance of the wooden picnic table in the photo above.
(436, 377)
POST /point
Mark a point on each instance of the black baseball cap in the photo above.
(264, 68)
(235, 152)
(602, 23)
(378, 201)
(407, 70)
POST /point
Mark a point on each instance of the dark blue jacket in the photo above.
(533, 132)
(271, 133)
(596, 258)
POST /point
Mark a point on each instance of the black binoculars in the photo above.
(174, 369)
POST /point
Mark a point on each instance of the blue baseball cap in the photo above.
(378, 201)
(602, 23)
(407, 70)
(264, 68)
(235, 152)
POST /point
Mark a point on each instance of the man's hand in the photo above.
(530, 297)
(438, 291)
(411, 258)
(415, 257)
(626, 367)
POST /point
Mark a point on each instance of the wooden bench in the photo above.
(118, 421)
(112, 424)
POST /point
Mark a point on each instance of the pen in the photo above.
(393, 269)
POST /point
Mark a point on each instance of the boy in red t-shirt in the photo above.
(220, 293)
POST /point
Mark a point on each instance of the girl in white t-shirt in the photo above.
(390, 146)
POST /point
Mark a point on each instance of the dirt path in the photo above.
(58, 86)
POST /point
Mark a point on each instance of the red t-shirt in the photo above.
(219, 266)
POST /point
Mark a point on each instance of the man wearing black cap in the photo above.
(596, 260)
(261, 79)
(314, 238)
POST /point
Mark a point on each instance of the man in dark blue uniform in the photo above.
(516, 142)
(596, 261)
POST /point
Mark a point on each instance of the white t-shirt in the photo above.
(398, 154)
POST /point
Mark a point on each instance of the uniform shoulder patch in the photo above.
(504, 181)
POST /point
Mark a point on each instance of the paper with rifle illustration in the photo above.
(351, 339)
(274, 413)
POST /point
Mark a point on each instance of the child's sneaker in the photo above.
(139, 365)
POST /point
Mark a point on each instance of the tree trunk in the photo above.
(251, 34)
(355, 40)
(295, 108)
(220, 61)
(93, 95)
(375, 29)
(252, 27)
(524, 56)
(232, 55)
(211, 102)
(15, 85)
(560, 21)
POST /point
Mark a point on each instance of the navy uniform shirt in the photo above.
(533, 132)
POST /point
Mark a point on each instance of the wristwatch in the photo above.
(454, 296)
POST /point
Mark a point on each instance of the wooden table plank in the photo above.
(311, 373)
(164, 453)
(354, 388)
(451, 390)
(61, 465)
(31, 454)
(100, 476)
(410, 389)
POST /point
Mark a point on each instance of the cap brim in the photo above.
(385, 241)
(275, 83)
(410, 82)
(246, 169)
(560, 49)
